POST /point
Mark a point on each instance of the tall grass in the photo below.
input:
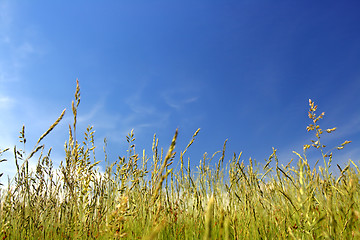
(142, 197)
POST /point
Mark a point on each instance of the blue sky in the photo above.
(239, 70)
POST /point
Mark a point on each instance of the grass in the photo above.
(141, 197)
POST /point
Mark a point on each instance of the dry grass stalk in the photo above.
(131, 200)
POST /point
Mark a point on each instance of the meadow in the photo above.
(146, 197)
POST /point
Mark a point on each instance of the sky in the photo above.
(238, 70)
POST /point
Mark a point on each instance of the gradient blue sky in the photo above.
(239, 70)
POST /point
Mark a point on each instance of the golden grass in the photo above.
(141, 197)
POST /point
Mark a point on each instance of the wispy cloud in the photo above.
(17, 109)
(5, 13)
(350, 128)
(15, 50)
(178, 98)
(6, 102)
(137, 114)
(93, 113)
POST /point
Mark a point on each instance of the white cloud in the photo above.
(23, 50)
(15, 50)
(95, 111)
(6, 102)
(178, 98)
(5, 14)
(14, 57)
(137, 113)
(350, 128)
(115, 125)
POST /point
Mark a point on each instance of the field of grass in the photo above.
(142, 197)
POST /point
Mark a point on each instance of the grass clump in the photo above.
(142, 197)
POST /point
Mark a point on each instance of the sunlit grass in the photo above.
(142, 197)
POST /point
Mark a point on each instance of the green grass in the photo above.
(142, 197)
